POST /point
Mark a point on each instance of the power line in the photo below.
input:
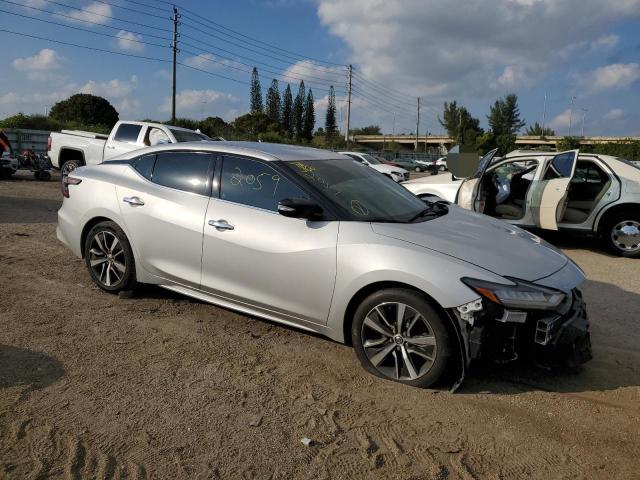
(143, 57)
(82, 29)
(83, 20)
(244, 47)
(132, 9)
(105, 16)
(214, 25)
(322, 82)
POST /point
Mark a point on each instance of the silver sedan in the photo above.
(313, 239)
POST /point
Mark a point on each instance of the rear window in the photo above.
(127, 132)
(188, 136)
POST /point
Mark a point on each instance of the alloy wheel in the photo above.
(625, 235)
(67, 168)
(107, 258)
(398, 341)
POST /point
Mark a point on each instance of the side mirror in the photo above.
(300, 208)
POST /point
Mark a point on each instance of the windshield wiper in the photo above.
(433, 209)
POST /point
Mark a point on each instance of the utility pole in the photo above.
(394, 124)
(174, 47)
(417, 124)
(346, 133)
(584, 114)
(544, 113)
(571, 114)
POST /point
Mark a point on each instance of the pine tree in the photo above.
(297, 113)
(504, 116)
(286, 124)
(330, 127)
(273, 102)
(309, 120)
(256, 92)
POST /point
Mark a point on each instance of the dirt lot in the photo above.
(160, 386)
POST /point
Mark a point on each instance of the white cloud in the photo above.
(193, 102)
(110, 89)
(129, 41)
(208, 61)
(35, 3)
(466, 50)
(314, 72)
(605, 42)
(129, 107)
(614, 114)
(563, 119)
(617, 75)
(95, 12)
(45, 59)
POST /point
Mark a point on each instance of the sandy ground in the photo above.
(161, 386)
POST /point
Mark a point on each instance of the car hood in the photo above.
(388, 168)
(488, 243)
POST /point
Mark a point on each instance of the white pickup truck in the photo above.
(70, 149)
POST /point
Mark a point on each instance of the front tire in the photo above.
(109, 258)
(399, 336)
(621, 232)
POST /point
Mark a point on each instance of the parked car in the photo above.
(316, 240)
(70, 149)
(397, 174)
(411, 165)
(587, 193)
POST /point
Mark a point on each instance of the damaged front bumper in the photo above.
(552, 338)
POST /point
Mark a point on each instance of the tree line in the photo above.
(504, 123)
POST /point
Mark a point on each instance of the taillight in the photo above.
(66, 181)
(49, 144)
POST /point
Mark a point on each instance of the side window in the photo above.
(127, 132)
(560, 166)
(255, 183)
(188, 171)
(144, 165)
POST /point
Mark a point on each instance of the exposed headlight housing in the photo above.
(521, 295)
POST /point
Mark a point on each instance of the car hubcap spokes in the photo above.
(398, 341)
(68, 168)
(626, 235)
(106, 258)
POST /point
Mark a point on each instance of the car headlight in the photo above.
(520, 295)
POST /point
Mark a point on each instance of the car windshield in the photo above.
(188, 136)
(361, 193)
(371, 159)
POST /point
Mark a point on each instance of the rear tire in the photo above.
(69, 166)
(621, 233)
(109, 258)
(397, 335)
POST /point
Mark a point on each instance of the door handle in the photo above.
(221, 224)
(133, 201)
(110, 147)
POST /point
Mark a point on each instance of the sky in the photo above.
(582, 55)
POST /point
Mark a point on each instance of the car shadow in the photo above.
(20, 367)
(567, 240)
(615, 338)
(28, 210)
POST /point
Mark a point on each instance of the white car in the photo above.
(568, 191)
(397, 174)
(70, 149)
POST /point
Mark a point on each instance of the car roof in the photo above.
(261, 150)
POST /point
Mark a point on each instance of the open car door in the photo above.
(469, 192)
(549, 194)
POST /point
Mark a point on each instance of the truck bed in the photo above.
(81, 133)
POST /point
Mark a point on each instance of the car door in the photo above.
(123, 140)
(253, 255)
(163, 204)
(549, 193)
(469, 192)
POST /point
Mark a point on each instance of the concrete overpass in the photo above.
(441, 143)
